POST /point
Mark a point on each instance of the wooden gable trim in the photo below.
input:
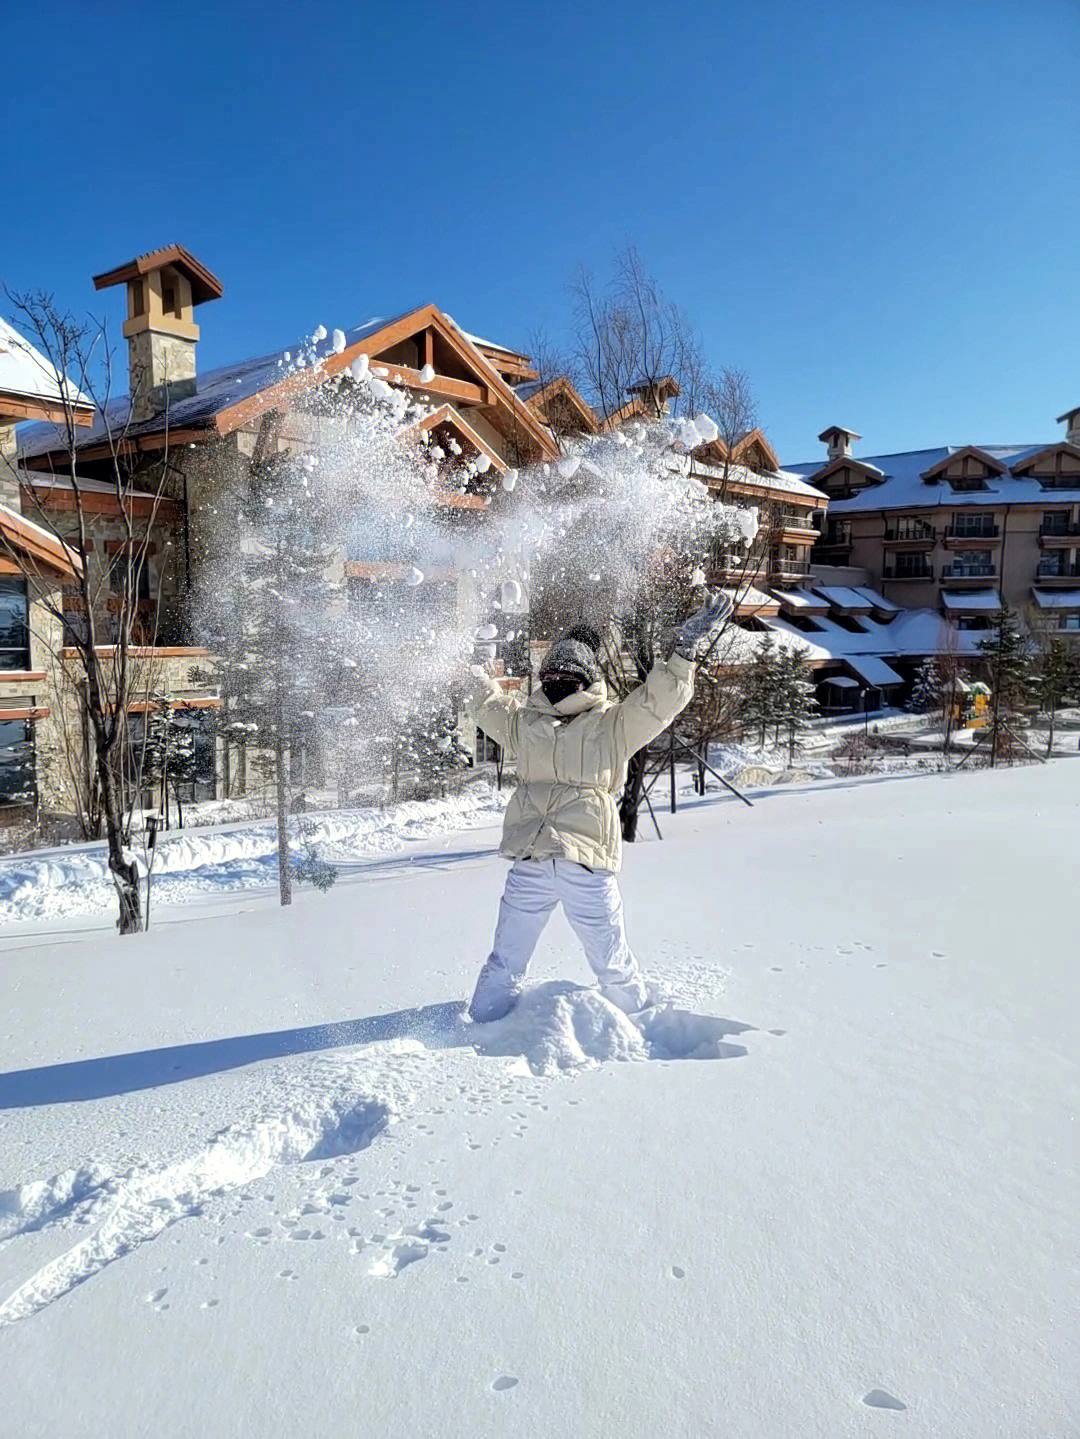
(46, 553)
(968, 452)
(756, 436)
(95, 502)
(492, 389)
(565, 389)
(15, 407)
(1064, 447)
(124, 446)
(447, 415)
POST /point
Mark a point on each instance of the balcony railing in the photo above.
(1047, 570)
(797, 522)
(984, 531)
(778, 566)
(969, 572)
(1064, 526)
(908, 572)
(910, 534)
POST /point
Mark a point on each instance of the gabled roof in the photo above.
(36, 547)
(716, 451)
(235, 395)
(204, 284)
(846, 462)
(451, 418)
(973, 452)
(1029, 461)
(903, 488)
(537, 396)
(30, 386)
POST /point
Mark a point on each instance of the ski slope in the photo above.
(259, 1177)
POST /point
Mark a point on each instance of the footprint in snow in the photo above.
(879, 1399)
(504, 1382)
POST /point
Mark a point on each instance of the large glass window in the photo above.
(16, 762)
(14, 625)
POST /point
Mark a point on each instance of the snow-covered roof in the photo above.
(988, 600)
(912, 634)
(843, 682)
(844, 598)
(25, 371)
(752, 596)
(874, 671)
(216, 390)
(805, 601)
(876, 601)
(903, 487)
(1056, 599)
(782, 480)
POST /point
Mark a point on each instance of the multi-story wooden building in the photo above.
(963, 530)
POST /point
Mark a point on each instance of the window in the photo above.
(16, 762)
(907, 528)
(137, 573)
(967, 482)
(1055, 522)
(975, 522)
(1070, 622)
(911, 565)
(974, 563)
(14, 625)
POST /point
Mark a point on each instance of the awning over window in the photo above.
(1056, 599)
(843, 682)
(874, 671)
(971, 601)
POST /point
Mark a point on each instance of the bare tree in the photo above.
(728, 400)
(626, 338)
(96, 632)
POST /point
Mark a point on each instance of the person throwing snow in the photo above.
(572, 745)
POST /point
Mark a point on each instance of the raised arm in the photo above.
(648, 710)
(493, 709)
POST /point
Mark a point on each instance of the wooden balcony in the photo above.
(797, 534)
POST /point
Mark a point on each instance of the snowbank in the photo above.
(193, 863)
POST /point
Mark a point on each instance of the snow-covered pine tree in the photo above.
(929, 688)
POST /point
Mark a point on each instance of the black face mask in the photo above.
(557, 689)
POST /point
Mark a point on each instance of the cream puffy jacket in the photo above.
(572, 759)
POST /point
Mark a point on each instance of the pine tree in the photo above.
(795, 702)
(929, 689)
(1057, 677)
(272, 623)
(1008, 659)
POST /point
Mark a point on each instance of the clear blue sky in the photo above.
(873, 208)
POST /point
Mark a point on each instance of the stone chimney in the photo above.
(163, 287)
(1072, 426)
(839, 441)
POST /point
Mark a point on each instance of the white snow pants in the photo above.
(593, 905)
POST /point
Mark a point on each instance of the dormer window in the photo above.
(967, 482)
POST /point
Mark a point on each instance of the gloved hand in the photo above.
(697, 635)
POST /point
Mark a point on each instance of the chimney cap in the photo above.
(664, 385)
(1068, 415)
(828, 434)
(204, 284)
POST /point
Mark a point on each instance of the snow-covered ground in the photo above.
(260, 1178)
